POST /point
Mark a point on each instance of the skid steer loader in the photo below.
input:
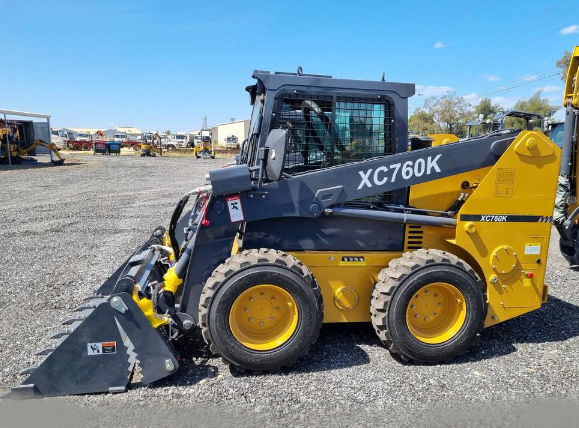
(325, 217)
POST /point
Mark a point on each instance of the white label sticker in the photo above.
(532, 249)
(235, 209)
(101, 348)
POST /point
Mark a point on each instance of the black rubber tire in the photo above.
(237, 274)
(399, 282)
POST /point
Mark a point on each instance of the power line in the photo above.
(431, 25)
(525, 23)
(457, 19)
(521, 79)
(406, 25)
(532, 82)
(509, 42)
(412, 20)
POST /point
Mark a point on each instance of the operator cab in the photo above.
(316, 122)
(325, 127)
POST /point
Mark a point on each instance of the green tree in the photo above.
(167, 132)
(536, 104)
(486, 108)
(450, 112)
(422, 123)
(563, 64)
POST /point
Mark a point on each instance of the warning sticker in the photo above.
(532, 249)
(505, 183)
(100, 348)
(235, 209)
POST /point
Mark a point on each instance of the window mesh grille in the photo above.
(326, 130)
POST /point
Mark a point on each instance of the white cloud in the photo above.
(550, 88)
(571, 29)
(505, 102)
(439, 45)
(491, 77)
(430, 90)
(470, 96)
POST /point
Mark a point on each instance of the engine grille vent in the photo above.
(414, 237)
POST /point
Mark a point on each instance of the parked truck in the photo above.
(80, 141)
(179, 140)
(59, 138)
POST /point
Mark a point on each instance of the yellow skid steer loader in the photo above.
(327, 217)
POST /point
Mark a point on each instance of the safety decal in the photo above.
(506, 218)
(235, 209)
(101, 348)
(505, 183)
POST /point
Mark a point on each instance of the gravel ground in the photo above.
(65, 229)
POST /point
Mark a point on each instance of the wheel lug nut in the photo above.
(416, 316)
(435, 314)
(440, 304)
(277, 308)
(425, 318)
(262, 294)
(261, 323)
(272, 299)
(272, 319)
(246, 309)
(251, 320)
(435, 294)
(413, 306)
(251, 299)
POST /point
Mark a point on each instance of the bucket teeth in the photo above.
(84, 307)
(73, 320)
(46, 351)
(28, 370)
(93, 296)
(62, 333)
(91, 304)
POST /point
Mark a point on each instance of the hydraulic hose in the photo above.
(173, 224)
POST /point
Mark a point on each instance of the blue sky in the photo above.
(166, 64)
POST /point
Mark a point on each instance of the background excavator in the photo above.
(10, 133)
(205, 148)
(151, 144)
(327, 217)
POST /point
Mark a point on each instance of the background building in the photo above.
(131, 132)
(239, 128)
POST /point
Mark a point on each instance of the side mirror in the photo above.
(276, 143)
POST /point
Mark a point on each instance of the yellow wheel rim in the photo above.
(263, 317)
(436, 313)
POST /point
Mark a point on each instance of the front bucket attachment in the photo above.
(98, 352)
